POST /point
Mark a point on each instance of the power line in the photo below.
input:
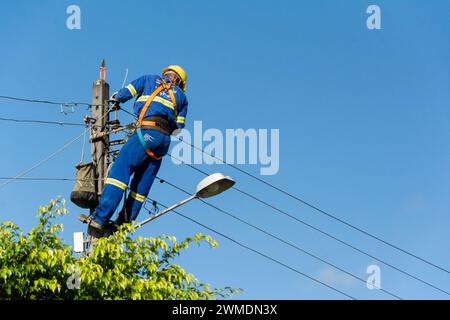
(83, 134)
(233, 166)
(321, 231)
(212, 230)
(317, 209)
(257, 252)
(77, 124)
(276, 237)
(74, 104)
(41, 179)
(70, 104)
(128, 112)
(20, 175)
(43, 122)
(328, 214)
(261, 230)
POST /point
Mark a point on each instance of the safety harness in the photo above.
(151, 123)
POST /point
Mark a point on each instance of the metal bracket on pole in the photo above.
(117, 142)
(99, 135)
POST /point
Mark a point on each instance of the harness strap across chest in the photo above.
(164, 86)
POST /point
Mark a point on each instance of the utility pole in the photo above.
(99, 140)
(102, 148)
(100, 132)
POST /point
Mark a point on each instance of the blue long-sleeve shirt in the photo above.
(162, 105)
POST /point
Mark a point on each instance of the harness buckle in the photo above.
(166, 84)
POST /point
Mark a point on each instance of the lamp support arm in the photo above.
(159, 214)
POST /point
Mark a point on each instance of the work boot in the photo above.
(122, 218)
(113, 227)
(92, 223)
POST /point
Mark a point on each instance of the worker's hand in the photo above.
(112, 99)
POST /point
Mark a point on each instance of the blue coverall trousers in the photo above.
(132, 159)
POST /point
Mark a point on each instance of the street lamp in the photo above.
(210, 186)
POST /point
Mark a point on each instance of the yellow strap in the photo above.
(137, 196)
(117, 183)
(174, 101)
(152, 96)
(181, 119)
(147, 103)
(161, 100)
(165, 102)
(132, 90)
(163, 86)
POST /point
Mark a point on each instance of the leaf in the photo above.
(53, 286)
(39, 265)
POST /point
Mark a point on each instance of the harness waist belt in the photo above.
(156, 123)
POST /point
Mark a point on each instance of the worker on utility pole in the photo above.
(161, 108)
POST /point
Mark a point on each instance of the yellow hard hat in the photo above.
(179, 71)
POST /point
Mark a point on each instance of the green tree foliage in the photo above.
(38, 265)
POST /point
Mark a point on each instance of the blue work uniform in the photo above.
(133, 158)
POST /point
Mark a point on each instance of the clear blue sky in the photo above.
(363, 115)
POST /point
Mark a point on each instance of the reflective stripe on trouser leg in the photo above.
(142, 182)
(109, 201)
(130, 157)
(137, 196)
(134, 203)
(145, 168)
(119, 184)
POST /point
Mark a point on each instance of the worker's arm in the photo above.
(182, 112)
(133, 89)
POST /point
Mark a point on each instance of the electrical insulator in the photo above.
(115, 124)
